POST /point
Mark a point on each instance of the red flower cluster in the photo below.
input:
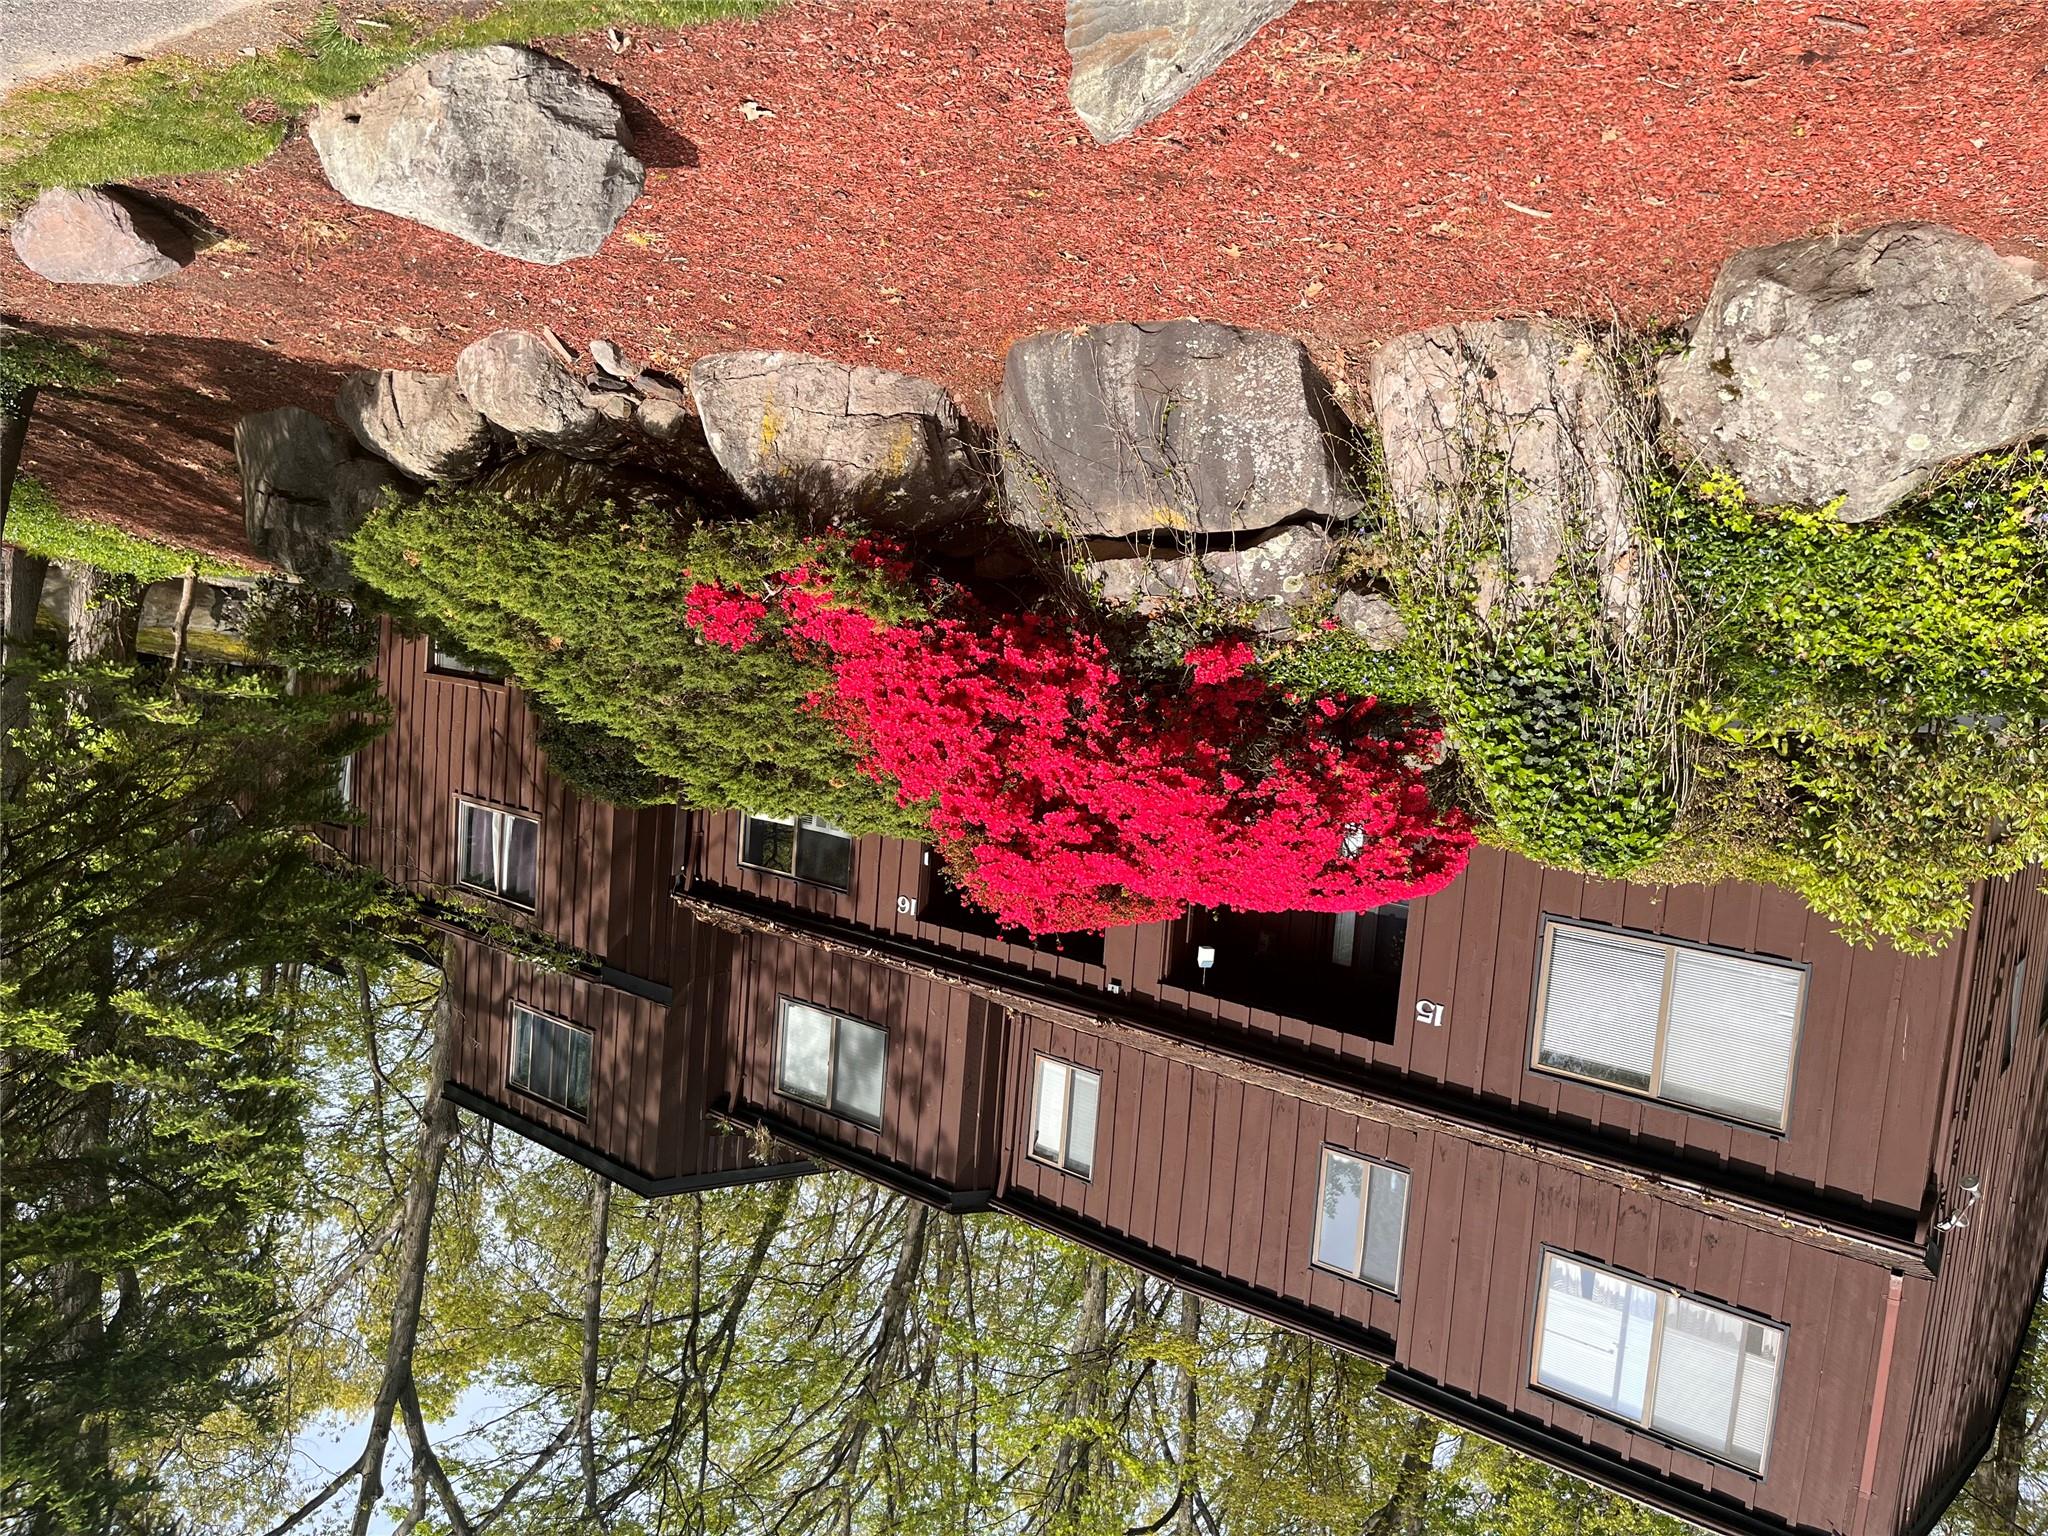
(1067, 798)
(730, 619)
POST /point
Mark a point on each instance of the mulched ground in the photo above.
(909, 189)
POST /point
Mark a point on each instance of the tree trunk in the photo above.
(1404, 1512)
(437, 1129)
(13, 433)
(593, 1319)
(186, 594)
(23, 580)
(105, 610)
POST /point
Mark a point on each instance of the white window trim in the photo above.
(796, 825)
(1356, 1274)
(1552, 927)
(501, 850)
(830, 1103)
(1666, 1296)
(512, 1062)
(1069, 1069)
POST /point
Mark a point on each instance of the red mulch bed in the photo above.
(922, 195)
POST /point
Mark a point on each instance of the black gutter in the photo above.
(1896, 1234)
(878, 1169)
(626, 1178)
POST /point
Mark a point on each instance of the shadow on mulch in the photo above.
(658, 146)
(154, 451)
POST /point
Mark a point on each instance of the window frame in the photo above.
(455, 671)
(797, 829)
(830, 1103)
(1061, 1163)
(345, 780)
(1666, 1295)
(1315, 1242)
(512, 1058)
(1547, 932)
(507, 814)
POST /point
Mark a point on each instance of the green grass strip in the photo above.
(37, 524)
(177, 117)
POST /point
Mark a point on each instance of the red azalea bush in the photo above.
(1067, 797)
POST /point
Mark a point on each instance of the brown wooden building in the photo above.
(1667, 1186)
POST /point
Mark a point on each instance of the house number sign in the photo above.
(1429, 1013)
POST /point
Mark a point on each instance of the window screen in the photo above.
(1066, 1099)
(1361, 1216)
(1700, 1374)
(497, 852)
(551, 1060)
(1712, 1031)
(832, 1061)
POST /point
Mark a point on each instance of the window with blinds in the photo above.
(1361, 1219)
(497, 852)
(1699, 1374)
(832, 1061)
(551, 1060)
(1708, 1030)
(1065, 1101)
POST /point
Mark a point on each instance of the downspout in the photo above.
(1867, 1484)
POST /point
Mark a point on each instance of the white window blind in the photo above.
(1733, 1024)
(1601, 1008)
(1067, 1099)
(1361, 1218)
(1697, 1373)
(832, 1061)
(1712, 1031)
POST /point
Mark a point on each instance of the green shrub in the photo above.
(1877, 721)
(1553, 740)
(594, 762)
(29, 361)
(1337, 661)
(295, 625)
(583, 603)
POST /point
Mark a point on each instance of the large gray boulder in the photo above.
(517, 382)
(500, 146)
(1509, 439)
(1274, 577)
(418, 421)
(103, 235)
(1183, 426)
(837, 440)
(303, 492)
(1855, 367)
(1135, 58)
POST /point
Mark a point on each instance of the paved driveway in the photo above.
(43, 37)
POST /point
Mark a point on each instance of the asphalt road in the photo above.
(43, 37)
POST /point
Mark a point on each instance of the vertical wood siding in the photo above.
(942, 1061)
(1867, 1078)
(1991, 1267)
(604, 871)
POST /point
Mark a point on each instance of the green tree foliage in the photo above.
(157, 905)
(812, 1356)
(582, 601)
(594, 762)
(295, 625)
(1876, 725)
